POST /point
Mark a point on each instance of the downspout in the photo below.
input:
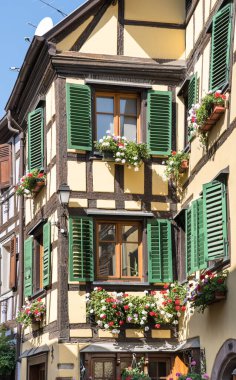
(17, 129)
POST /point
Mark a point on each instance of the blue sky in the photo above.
(14, 18)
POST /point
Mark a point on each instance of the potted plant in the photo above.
(121, 151)
(135, 371)
(31, 183)
(209, 288)
(192, 374)
(177, 163)
(203, 116)
(31, 312)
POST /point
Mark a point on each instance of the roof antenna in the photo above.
(56, 9)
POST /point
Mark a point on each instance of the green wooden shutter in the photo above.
(202, 264)
(160, 122)
(46, 254)
(220, 48)
(78, 103)
(192, 91)
(35, 140)
(159, 250)
(28, 267)
(215, 220)
(188, 228)
(81, 266)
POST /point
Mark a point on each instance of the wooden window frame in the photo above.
(117, 96)
(37, 360)
(118, 250)
(38, 252)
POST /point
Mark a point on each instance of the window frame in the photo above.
(118, 251)
(117, 96)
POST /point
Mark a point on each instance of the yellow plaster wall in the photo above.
(50, 103)
(189, 37)
(171, 11)
(161, 334)
(159, 181)
(51, 143)
(160, 206)
(134, 181)
(233, 96)
(160, 87)
(207, 8)
(106, 334)
(77, 307)
(198, 19)
(206, 69)
(51, 182)
(76, 177)
(103, 176)
(69, 40)
(149, 42)
(133, 205)
(51, 304)
(103, 40)
(78, 202)
(75, 80)
(69, 353)
(134, 333)
(106, 204)
(81, 333)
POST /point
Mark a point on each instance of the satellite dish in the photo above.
(44, 26)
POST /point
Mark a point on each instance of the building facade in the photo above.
(135, 70)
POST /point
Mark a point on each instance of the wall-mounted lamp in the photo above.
(64, 194)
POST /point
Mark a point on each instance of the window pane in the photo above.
(107, 232)
(130, 233)
(107, 259)
(128, 106)
(130, 259)
(109, 370)
(105, 105)
(128, 127)
(104, 123)
(98, 370)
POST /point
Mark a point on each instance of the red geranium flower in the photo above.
(110, 323)
(183, 308)
(173, 153)
(153, 292)
(157, 325)
(126, 307)
(177, 308)
(177, 302)
(121, 323)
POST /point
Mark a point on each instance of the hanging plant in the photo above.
(122, 151)
(31, 312)
(202, 116)
(31, 183)
(176, 164)
(135, 371)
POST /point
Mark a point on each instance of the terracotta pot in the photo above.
(213, 118)
(220, 296)
(38, 186)
(184, 164)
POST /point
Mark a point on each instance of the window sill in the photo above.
(39, 293)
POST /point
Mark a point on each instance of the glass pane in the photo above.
(152, 370)
(108, 370)
(107, 232)
(128, 106)
(107, 259)
(128, 127)
(130, 259)
(162, 370)
(98, 370)
(104, 123)
(105, 105)
(130, 233)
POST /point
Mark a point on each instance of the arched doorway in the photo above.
(225, 361)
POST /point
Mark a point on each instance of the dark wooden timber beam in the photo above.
(120, 27)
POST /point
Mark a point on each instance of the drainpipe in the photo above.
(17, 129)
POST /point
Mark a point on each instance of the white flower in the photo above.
(135, 158)
(169, 315)
(96, 288)
(118, 154)
(117, 159)
(146, 328)
(153, 305)
(172, 285)
(130, 304)
(87, 300)
(218, 92)
(144, 318)
(106, 326)
(175, 322)
(163, 163)
(144, 312)
(120, 294)
(104, 308)
(135, 163)
(99, 322)
(122, 154)
(115, 331)
(148, 304)
(123, 161)
(136, 169)
(91, 311)
(102, 315)
(103, 301)
(101, 140)
(178, 314)
(87, 295)
(145, 292)
(142, 323)
(162, 312)
(124, 138)
(108, 131)
(210, 92)
(114, 294)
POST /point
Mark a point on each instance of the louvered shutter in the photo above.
(192, 91)
(5, 165)
(28, 267)
(35, 140)
(220, 48)
(202, 264)
(215, 220)
(46, 254)
(188, 227)
(81, 249)
(159, 251)
(12, 280)
(79, 116)
(160, 122)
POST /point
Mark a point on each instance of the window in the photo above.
(36, 139)
(37, 261)
(119, 251)
(206, 227)
(8, 265)
(118, 113)
(220, 48)
(5, 165)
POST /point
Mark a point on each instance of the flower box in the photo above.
(108, 156)
(213, 118)
(183, 166)
(217, 296)
(39, 186)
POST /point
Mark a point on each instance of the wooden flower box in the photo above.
(39, 185)
(213, 118)
(183, 166)
(108, 156)
(218, 296)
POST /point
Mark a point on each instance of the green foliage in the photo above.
(194, 376)
(29, 182)
(202, 292)
(135, 373)
(174, 163)
(7, 354)
(123, 151)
